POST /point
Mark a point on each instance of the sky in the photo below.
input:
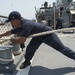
(24, 7)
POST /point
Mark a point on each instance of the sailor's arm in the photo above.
(18, 40)
(7, 33)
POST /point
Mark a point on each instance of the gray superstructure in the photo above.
(64, 9)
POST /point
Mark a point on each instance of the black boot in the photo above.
(25, 64)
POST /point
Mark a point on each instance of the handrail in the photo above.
(1, 23)
(3, 16)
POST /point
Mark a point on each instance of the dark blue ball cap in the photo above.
(13, 15)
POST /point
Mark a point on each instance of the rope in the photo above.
(49, 32)
(44, 33)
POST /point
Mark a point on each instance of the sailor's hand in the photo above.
(0, 36)
(18, 40)
(13, 40)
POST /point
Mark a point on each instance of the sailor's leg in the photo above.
(22, 45)
(31, 48)
(54, 41)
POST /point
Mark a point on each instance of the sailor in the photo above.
(26, 28)
(59, 23)
(72, 23)
(49, 22)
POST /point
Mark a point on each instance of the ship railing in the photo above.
(2, 19)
